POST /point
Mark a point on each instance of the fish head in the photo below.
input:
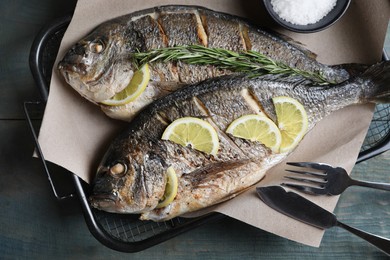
(123, 184)
(99, 65)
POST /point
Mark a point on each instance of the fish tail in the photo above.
(378, 89)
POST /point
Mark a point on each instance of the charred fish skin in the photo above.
(205, 180)
(99, 65)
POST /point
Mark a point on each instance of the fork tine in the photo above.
(315, 174)
(306, 189)
(305, 180)
(318, 166)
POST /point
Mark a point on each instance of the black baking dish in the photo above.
(125, 232)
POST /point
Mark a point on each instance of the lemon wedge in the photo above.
(257, 128)
(193, 132)
(170, 188)
(292, 121)
(137, 85)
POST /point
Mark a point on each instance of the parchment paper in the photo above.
(75, 133)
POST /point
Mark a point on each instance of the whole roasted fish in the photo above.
(100, 65)
(142, 157)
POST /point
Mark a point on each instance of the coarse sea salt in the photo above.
(302, 12)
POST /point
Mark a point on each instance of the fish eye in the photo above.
(97, 46)
(118, 169)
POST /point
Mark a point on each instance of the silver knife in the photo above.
(299, 208)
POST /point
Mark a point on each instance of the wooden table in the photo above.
(34, 225)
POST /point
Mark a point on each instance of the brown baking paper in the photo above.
(75, 133)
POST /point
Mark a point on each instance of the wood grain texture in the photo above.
(20, 21)
(33, 225)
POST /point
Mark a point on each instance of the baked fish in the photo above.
(99, 65)
(131, 177)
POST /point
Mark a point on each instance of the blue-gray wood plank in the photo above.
(34, 225)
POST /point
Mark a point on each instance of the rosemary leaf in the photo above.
(253, 63)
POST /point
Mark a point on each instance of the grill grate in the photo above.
(379, 128)
(129, 228)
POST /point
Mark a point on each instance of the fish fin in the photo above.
(379, 89)
(295, 80)
(353, 69)
(238, 192)
(202, 175)
(214, 173)
(300, 46)
(169, 86)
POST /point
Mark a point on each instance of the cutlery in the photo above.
(325, 179)
(299, 208)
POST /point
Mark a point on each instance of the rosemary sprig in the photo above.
(250, 62)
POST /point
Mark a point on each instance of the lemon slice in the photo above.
(257, 128)
(194, 132)
(170, 188)
(137, 85)
(292, 121)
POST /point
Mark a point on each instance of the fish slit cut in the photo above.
(202, 107)
(163, 119)
(244, 36)
(202, 35)
(164, 36)
(205, 27)
(252, 102)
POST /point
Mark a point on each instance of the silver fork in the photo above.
(323, 179)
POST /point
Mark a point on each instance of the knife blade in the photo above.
(302, 209)
(297, 207)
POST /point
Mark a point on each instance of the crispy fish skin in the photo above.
(205, 180)
(99, 65)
